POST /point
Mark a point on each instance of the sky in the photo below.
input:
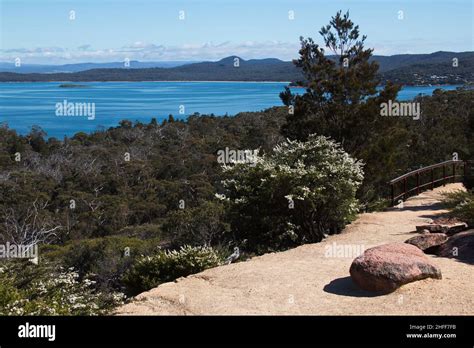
(47, 32)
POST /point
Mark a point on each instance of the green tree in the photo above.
(36, 139)
(342, 101)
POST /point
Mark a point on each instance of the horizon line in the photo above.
(217, 60)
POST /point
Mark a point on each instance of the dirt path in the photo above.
(305, 280)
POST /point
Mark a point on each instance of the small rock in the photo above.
(428, 240)
(445, 220)
(432, 228)
(449, 229)
(455, 228)
(386, 267)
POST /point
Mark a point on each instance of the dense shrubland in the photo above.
(163, 198)
(122, 224)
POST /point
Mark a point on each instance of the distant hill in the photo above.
(404, 60)
(68, 68)
(431, 68)
(223, 70)
(435, 71)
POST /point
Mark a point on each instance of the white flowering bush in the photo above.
(296, 194)
(164, 266)
(27, 289)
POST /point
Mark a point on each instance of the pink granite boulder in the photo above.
(386, 267)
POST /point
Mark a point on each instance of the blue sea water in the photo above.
(23, 105)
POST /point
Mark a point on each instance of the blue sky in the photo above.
(40, 31)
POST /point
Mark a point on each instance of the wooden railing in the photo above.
(426, 178)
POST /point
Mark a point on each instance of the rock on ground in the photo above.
(459, 246)
(447, 228)
(386, 267)
(427, 240)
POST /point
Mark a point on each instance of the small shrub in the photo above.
(465, 212)
(47, 289)
(164, 266)
(379, 204)
(461, 204)
(452, 199)
(105, 260)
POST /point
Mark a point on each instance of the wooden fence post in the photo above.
(432, 178)
(393, 194)
(405, 189)
(444, 175)
(417, 183)
(454, 172)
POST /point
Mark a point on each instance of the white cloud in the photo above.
(145, 51)
(152, 52)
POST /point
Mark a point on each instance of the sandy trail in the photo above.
(305, 281)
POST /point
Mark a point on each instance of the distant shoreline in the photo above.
(169, 81)
(210, 81)
(412, 70)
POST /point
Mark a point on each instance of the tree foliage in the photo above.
(341, 99)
